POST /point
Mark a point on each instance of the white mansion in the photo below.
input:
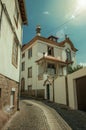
(45, 59)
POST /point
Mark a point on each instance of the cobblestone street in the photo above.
(35, 115)
(39, 115)
(30, 117)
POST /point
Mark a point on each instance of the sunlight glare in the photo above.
(82, 4)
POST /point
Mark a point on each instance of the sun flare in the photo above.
(82, 4)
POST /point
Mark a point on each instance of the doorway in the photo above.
(48, 91)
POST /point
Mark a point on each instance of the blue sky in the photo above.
(58, 17)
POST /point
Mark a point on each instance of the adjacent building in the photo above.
(43, 61)
(12, 17)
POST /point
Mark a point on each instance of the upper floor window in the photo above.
(50, 51)
(16, 13)
(23, 66)
(51, 68)
(15, 53)
(68, 54)
(23, 55)
(30, 53)
(30, 72)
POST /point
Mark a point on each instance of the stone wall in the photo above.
(39, 93)
(7, 86)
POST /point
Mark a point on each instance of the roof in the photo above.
(69, 42)
(59, 44)
(23, 11)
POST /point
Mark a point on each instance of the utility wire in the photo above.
(60, 26)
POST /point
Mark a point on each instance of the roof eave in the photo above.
(23, 12)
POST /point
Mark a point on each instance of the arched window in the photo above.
(22, 85)
(68, 54)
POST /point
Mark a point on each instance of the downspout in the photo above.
(18, 98)
(67, 95)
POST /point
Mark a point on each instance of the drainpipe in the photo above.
(53, 91)
(67, 95)
(18, 98)
(66, 82)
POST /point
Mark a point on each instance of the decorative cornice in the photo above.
(53, 59)
(61, 44)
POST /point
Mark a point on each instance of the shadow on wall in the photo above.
(3, 118)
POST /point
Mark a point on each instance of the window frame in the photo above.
(15, 52)
(23, 55)
(68, 54)
(23, 66)
(30, 52)
(51, 51)
(16, 13)
(51, 66)
(30, 73)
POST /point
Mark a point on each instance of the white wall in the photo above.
(60, 90)
(6, 43)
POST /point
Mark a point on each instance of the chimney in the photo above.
(66, 36)
(38, 29)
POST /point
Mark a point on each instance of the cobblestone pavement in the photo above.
(30, 117)
(75, 118)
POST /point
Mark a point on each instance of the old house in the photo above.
(12, 17)
(43, 61)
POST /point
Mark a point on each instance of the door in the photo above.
(48, 91)
(81, 93)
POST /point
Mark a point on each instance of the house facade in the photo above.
(12, 17)
(43, 61)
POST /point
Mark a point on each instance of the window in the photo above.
(0, 92)
(12, 98)
(68, 54)
(16, 13)
(22, 85)
(15, 53)
(29, 88)
(30, 72)
(51, 68)
(23, 55)
(30, 53)
(23, 66)
(50, 51)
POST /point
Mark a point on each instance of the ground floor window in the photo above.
(30, 90)
(29, 87)
(12, 98)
